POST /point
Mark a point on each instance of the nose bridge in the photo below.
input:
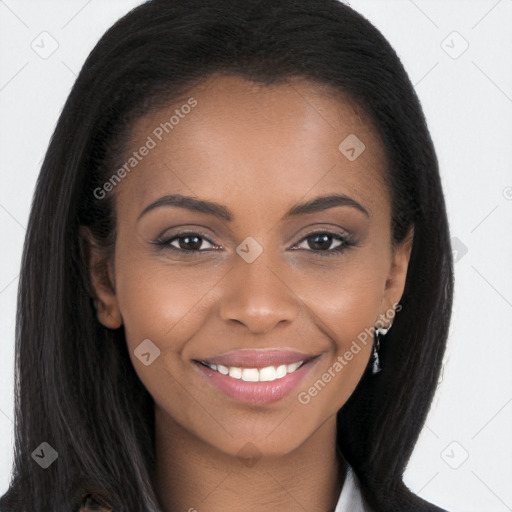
(256, 293)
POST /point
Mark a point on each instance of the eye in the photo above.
(322, 242)
(319, 243)
(188, 244)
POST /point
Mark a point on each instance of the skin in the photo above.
(257, 150)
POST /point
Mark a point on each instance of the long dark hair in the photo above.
(76, 388)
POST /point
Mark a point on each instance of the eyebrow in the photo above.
(218, 210)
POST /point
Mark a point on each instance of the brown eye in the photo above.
(191, 243)
(188, 243)
(322, 242)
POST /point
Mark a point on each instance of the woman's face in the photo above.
(269, 266)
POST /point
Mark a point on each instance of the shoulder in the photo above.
(351, 498)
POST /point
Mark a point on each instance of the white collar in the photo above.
(350, 499)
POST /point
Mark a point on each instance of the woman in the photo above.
(237, 279)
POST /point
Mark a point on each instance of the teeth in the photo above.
(267, 374)
(292, 367)
(234, 372)
(250, 375)
(222, 369)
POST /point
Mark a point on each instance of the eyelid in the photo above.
(329, 231)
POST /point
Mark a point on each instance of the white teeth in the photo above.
(222, 369)
(266, 374)
(250, 375)
(292, 367)
(234, 372)
(281, 371)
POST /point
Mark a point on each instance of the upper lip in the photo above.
(258, 358)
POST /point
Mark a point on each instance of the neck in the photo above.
(191, 475)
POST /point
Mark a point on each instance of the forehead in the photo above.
(249, 143)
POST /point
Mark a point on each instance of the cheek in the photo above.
(346, 316)
(344, 303)
(167, 303)
(162, 302)
(168, 306)
(346, 295)
(171, 304)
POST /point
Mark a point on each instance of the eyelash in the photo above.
(347, 242)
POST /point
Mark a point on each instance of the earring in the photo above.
(378, 334)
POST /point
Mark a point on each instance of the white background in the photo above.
(463, 460)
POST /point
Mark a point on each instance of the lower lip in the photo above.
(257, 392)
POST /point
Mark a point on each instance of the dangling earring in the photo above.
(378, 333)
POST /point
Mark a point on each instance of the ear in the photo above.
(395, 282)
(101, 285)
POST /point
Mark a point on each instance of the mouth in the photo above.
(266, 374)
(256, 381)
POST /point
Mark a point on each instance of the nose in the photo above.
(258, 296)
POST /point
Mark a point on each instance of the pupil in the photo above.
(324, 243)
(185, 241)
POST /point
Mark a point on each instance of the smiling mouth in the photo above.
(263, 385)
(266, 374)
